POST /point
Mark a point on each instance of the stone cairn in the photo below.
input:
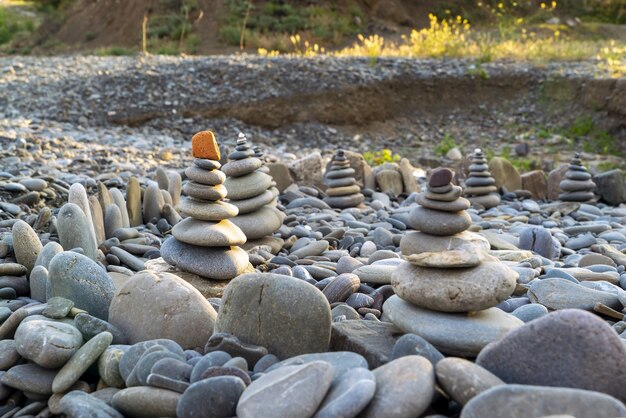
(577, 185)
(252, 190)
(206, 242)
(480, 187)
(447, 268)
(343, 190)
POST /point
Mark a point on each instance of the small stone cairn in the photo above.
(447, 269)
(343, 190)
(577, 185)
(480, 186)
(206, 242)
(252, 190)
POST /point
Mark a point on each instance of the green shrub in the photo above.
(447, 143)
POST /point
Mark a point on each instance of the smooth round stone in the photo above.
(39, 283)
(341, 361)
(133, 202)
(487, 201)
(541, 353)
(480, 181)
(479, 191)
(29, 377)
(540, 241)
(478, 167)
(343, 202)
(530, 311)
(207, 164)
(454, 290)
(145, 364)
(207, 211)
(248, 186)
(213, 397)
(581, 196)
(340, 173)
(109, 365)
(184, 315)
(47, 343)
(12, 269)
(133, 354)
(375, 273)
(146, 402)
(350, 393)
(74, 230)
(208, 234)
(578, 175)
(90, 326)
(47, 254)
(292, 317)
(14, 187)
(467, 257)
(518, 401)
(260, 223)
(343, 191)
(8, 354)
(78, 403)
(253, 203)
(556, 293)
(576, 186)
(464, 380)
(291, 391)
(26, 244)
(414, 345)
(418, 242)
(113, 220)
(440, 177)
(80, 361)
(404, 388)
(595, 259)
(583, 241)
(241, 154)
(202, 192)
(209, 360)
(241, 167)
(153, 203)
(206, 177)
(219, 263)
(312, 249)
(451, 195)
(346, 181)
(78, 278)
(463, 334)
(439, 223)
(454, 206)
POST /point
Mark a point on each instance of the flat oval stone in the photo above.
(520, 401)
(247, 186)
(260, 223)
(418, 242)
(341, 361)
(404, 388)
(343, 202)
(454, 290)
(213, 397)
(463, 380)
(350, 393)
(146, 402)
(12, 269)
(439, 223)
(202, 192)
(50, 344)
(460, 334)
(206, 177)
(218, 263)
(207, 164)
(26, 244)
(29, 377)
(556, 293)
(239, 168)
(439, 177)
(253, 203)
(453, 206)
(291, 391)
(109, 365)
(207, 211)
(78, 403)
(208, 234)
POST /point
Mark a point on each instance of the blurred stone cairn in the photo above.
(206, 243)
(480, 187)
(253, 191)
(343, 190)
(577, 185)
(448, 288)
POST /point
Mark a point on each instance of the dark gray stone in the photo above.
(414, 345)
(78, 404)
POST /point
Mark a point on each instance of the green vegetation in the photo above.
(447, 143)
(383, 156)
(271, 24)
(17, 23)
(116, 51)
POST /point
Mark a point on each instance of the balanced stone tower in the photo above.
(343, 190)
(480, 187)
(577, 185)
(252, 190)
(206, 242)
(448, 288)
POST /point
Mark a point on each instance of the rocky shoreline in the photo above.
(142, 274)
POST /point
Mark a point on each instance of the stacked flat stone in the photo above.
(480, 187)
(449, 273)
(577, 185)
(252, 190)
(206, 242)
(343, 190)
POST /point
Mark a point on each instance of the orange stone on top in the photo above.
(204, 145)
